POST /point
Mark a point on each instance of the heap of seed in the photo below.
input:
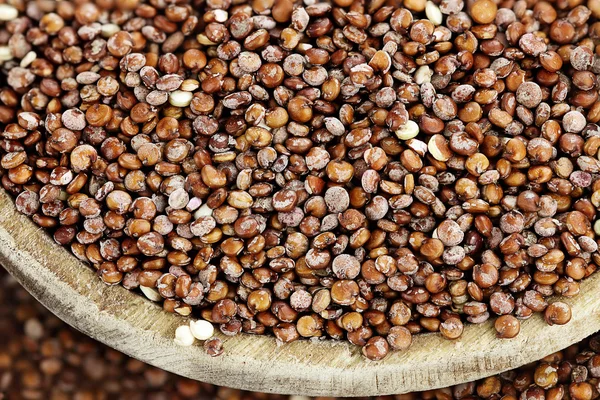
(44, 359)
(347, 170)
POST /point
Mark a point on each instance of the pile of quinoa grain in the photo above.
(359, 170)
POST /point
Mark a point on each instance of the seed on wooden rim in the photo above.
(183, 336)
(452, 328)
(507, 326)
(557, 313)
(201, 329)
(151, 293)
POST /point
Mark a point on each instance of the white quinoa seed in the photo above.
(408, 130)
(8, 12)
(202, 329)
(183, 336)
(151, 293)
(433, 13)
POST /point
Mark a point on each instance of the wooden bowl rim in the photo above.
(137, 327)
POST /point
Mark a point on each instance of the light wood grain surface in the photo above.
(139, 328)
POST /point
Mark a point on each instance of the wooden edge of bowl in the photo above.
(135, 326)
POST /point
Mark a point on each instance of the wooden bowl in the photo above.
(132, 324)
